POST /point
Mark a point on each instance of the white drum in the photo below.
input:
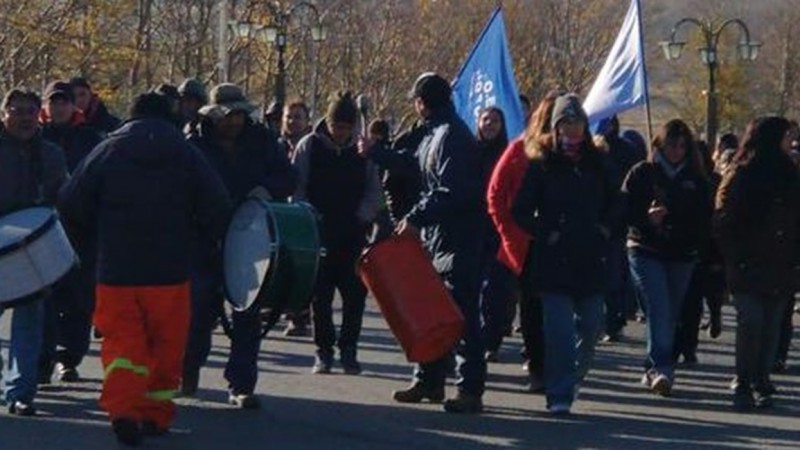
(34, 253)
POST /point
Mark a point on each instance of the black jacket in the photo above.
(77, 141)
(142, 192)
(258, 161)
(687, 198)
(571, 209)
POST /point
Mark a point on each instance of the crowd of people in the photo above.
(579, 231)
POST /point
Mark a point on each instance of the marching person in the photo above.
(756, 225)
(68, 311)
(669, 210)
(141, 192)
(191, 97)
(246, 156)
(345, 189)
(497, 282)
(94, 110)
(569, 204)
(447, 215)
(514, 250)
(31, 172)
(295, 125)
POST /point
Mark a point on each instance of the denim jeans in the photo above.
(663, 286)
(571, 329)
(22, 371)
(758, 329)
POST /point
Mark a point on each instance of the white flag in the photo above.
(622, 82)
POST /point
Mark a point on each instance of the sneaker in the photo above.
(19, 408)
(734, 384)
(647, 380)
(244, 401)
(127, 431)
(67, 374)
(763, 400)
(322, 365)
(661, 385)
(416, 393)
(464, 403)
(150, 428)
(611, 338)
(559, 409)
(350, 366)
(491, 356)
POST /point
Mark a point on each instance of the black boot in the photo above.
(464, 403)
(127, 431)
(416, 393)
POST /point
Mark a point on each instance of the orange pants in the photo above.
(144, 336)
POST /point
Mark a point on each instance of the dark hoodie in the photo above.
(343, 186)
(143, 191)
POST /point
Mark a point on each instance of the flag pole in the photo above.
(644, 71)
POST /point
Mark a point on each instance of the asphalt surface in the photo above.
(337, 411)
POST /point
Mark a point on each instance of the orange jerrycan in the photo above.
(412, 297)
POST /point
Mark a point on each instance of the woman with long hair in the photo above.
(568, 203)
(513, 251)
(756, 225)
(669, 209)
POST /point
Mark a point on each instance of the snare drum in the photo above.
(34, 253)
(271, 255)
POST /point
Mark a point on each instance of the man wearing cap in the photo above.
(246, 156)
(141, 193)
(448, 216)
(68, 310)
(345, 190)
(31, 172)
(94, 110)
(192, 97)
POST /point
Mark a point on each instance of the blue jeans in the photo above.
(571, 329)
(22, 372)
(663, 286)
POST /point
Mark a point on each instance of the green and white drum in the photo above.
(271, 256)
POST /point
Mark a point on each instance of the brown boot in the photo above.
(464, 403)
(416, 393)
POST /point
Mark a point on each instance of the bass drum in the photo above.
(271, 258)
(35, 253)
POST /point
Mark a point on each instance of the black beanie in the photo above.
(342, 109)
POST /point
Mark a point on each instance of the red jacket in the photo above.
(503, 187)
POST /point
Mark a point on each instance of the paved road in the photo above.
(305, 411)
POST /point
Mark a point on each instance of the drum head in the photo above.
(16, 227)
(248, 253)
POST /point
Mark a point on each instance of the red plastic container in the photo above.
(412, 297)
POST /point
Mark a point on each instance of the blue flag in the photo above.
(487, 79)
(622, 82)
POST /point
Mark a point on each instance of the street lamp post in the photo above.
(747, 50)
(276, 32)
